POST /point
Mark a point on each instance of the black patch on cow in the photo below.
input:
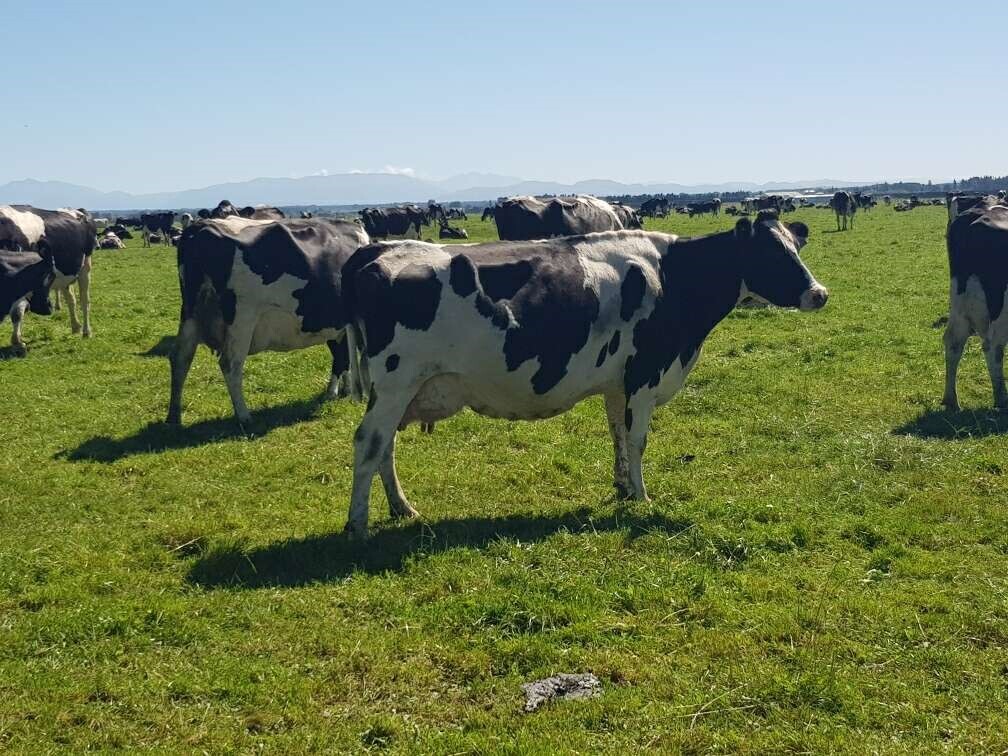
(340, 356)
(614, 343)
(372, 398)
(462, 276)
(409, 299)
(23, 274)
(632, 292)
(628, 418)
(504, 280)
(978, 246)
(602, 355)
(392, 362)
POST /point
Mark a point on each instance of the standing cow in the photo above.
(977, 241)
(250, 286)
(526, 330)
(68, 237)
(845, 207)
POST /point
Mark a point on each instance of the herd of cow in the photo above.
(575, 301)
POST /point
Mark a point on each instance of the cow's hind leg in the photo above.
(615, 413)
(232, 364)
(84, 285)
(637, 418)
(994, 352)
(181, 360)
(57, 303)
(372, 441)
(17, 318)
(71, 300)
(399, 507)
(956, 334)
(339, 378)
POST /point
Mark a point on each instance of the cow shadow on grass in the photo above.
(966, 424)
(163, 348)
(331, 557)
(158, 437)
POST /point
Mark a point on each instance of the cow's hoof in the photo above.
(19, 350)
(75, 330)
(951, 405)
(355, 531)
(622, 491)
(86, 333)
(402, 510)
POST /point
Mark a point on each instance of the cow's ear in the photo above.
(743, 229)
(799, 229)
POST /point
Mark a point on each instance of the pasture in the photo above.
(822, 566)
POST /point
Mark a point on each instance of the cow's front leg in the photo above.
(615, 405)
(339, 377)
(956, 334)
(994, 353)
(84, 284)
(374, 436)
(181, 360)
(17, 317)
(232, 364)
(637, 418)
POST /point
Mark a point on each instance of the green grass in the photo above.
(822, 567)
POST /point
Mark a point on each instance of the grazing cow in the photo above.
(250, 286)
(110, 241)
(627, 215)
(488, 212)
(457, 213)
(711, 206)
(523, 218)
(185, 219)
(655, 207)
(157, 226)
(887, 200)
(262, 212)
(977, 241)
(845, 207)
(435, 213)
(449, 232)
(25, 277)
(68, 237)
(381, 223)
(526, 330)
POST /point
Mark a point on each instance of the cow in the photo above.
(711, 206)
(773, 202)
(250, 286)
(131, 221)
(957, 204)
(110, 241)
(380, 223)
(203, 214)
(65, 235)
(526, 330)
(156, 223)
(185, 219)
(627, 215)
(224, 209)
(449, 232)
(435, 213)
(25, 277)
(523, 218)
(458, 213)
(306, 214)
(977, 242)
(262, 212)
(488, 212)
(655, 207)
(845, 207)
(887, 200)
(119, 230)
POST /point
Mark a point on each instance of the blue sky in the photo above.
(149, 97)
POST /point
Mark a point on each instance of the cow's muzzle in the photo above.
(814, 298)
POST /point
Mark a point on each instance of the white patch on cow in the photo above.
(233, 224)
(23, 228)
(274, 308)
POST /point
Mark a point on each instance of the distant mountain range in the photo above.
(357, 189)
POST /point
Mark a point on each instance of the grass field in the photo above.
(822, 567)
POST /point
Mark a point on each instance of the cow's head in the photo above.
(772, 271)
(38, 300)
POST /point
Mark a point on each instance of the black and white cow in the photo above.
(156, 223)
(250, 286)
(845, 207)
(262, 212)
(488, 212)
(523, 218)
(450, 232)
(710, 206)
(25, 277)
(185, 219)
(627, 215)
(977, 241)
(110, 241)
(526, 330)
(68, 236)
(381, 223)
(655, 207)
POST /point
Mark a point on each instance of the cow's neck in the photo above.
(705, 276)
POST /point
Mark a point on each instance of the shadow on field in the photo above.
(162, 349)
(159, 437)
(956, 425)
(301, 561)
